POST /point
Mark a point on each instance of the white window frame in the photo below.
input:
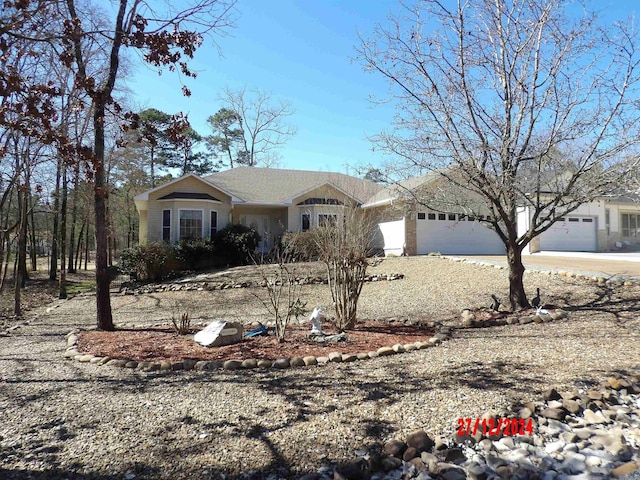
(162, 226)
(630, 232)
(191, 210)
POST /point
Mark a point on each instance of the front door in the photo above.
(261, 224)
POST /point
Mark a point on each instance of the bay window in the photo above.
(190, 224)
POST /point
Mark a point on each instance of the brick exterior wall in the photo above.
(411, 234)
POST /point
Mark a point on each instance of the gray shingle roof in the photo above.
(401, 189)
(278, 186)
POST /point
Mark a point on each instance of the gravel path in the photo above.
(64, 419)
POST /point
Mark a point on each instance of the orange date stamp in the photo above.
(498, 426)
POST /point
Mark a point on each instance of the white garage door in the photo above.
(573, 233)
(455, 235)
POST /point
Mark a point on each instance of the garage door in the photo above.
(455, 235)
(573, 233)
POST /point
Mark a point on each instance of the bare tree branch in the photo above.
(523, 104)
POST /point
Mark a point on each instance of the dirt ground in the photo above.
(64, 419)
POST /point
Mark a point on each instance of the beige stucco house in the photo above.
(605, 224)
(272, 201)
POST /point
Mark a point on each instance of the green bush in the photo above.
(300, 246)
(237, 244)
(196, 254)
(150, 262)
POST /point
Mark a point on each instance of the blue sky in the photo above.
(302, 52)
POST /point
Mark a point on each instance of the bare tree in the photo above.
(283, 292)
(344, 246)
(262, 124)
(514, 104)
(166, 39)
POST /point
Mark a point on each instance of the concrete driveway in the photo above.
(618, 263)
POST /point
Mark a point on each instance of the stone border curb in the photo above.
(613, 280)
(442, 334)
(210, 285)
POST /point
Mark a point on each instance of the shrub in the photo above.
(150, 262)
(196, 254)
(344, 249)
(300, 246)
(182, 326)
(283, 293)
(237, 244)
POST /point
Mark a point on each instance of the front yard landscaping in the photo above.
(67, 419)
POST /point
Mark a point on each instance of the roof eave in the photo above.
(379, 203)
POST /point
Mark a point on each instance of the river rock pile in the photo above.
(588, 433)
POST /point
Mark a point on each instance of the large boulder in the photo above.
(219, 333)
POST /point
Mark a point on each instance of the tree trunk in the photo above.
(86, 248)
(22, 240)
(63, 237)
(517, 295)
(76, 263)
(22, 252)
(74, 218)
(4, 266)
(153, 166)
(103, 300)
(53, 267)
(32, 236)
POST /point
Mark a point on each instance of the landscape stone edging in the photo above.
(443, 334)
(613, 280)
(469, 319)
(227, 285)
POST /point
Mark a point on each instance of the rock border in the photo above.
(133, 289)
(613, 280)
(469, 320)
(443, 333)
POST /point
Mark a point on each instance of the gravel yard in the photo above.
(64, 419)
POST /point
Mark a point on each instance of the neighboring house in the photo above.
(604, 224)
(274, 201)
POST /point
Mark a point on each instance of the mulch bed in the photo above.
(156, 344)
